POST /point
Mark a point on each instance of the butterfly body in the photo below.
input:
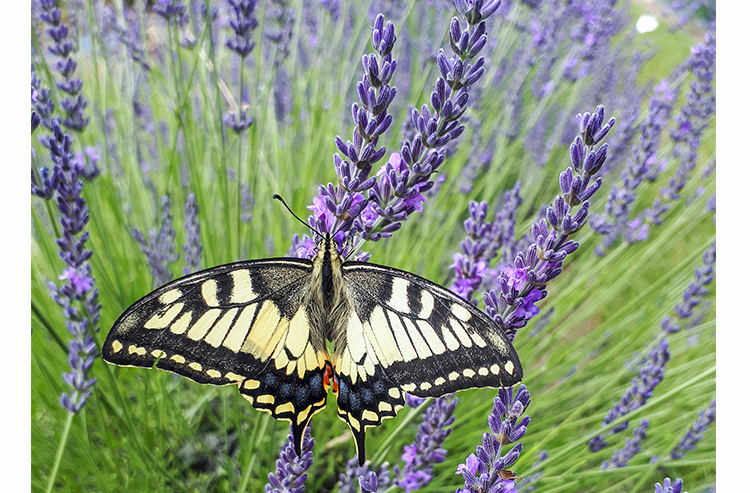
(265, 325)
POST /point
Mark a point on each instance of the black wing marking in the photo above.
(428, 340)
(240, 323)
(365, 396)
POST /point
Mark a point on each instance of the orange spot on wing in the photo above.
(330, 376)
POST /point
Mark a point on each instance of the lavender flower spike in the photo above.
(694, 293)
(368, 480)
(669, 487)
(484, 241)
(642, 388)
(489, 461)
(76, 294)
(705, 418)
(404, 180)
(426, 449)
(73, 103)
(159, 249)
(621, 457)
(511, 301)
(643, 165)
(336, 208)
(193, 245)
(243, 23)
(291, 470)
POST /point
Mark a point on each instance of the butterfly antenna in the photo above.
(281, 199)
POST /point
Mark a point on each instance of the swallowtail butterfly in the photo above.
(263, 325)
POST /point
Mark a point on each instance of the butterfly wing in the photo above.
(408, 334)
(242, 323)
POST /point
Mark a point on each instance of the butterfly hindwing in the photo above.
(365, 396)
(242, 323)
(428, 341)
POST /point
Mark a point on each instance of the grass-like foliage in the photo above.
(162, 129)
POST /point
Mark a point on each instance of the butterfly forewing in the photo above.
(431, 341)
(242, 323)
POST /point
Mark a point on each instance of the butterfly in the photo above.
(264, 325)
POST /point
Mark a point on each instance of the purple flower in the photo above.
(516, 276)
(291, 470)
(690, 124)
(243, 22)
(159, 249)
(77, 294)
(705, 418)
(41, 101)
(338, 208)
(641, 389)
(247, 203)
(413, 401)
(79, 283)
(283, 16)
(693, 294)
(400, 189)
(73, 103)
(169, 9)
(368, 480)
(642, 166)
(489, 462)
(669, 487)
(130, 37)
(484, 241)
(426, 449)
(632, 446)
(549, 242)
(193, 245)
(529, 309)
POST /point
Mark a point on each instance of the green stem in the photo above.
(60, 450)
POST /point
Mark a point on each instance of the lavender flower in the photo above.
(511, 302)
(541, 323)
(73, 103)
(368, 480)
(669, 487)
(86, 163)
(160, 247)
(632, 446)
(336, 208)
(694, 293)
(246, 203)
(400, 189)
(693, 119)
(641, 389)
(41, 101)
(283, 16)
(193, 245)
(642, 166)
(426, 449)
(291, 470)
(170, 9)
(243, 23)
(483, 242)
(489, 461)
(705, 418)
(76, 294)
(130, 38)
